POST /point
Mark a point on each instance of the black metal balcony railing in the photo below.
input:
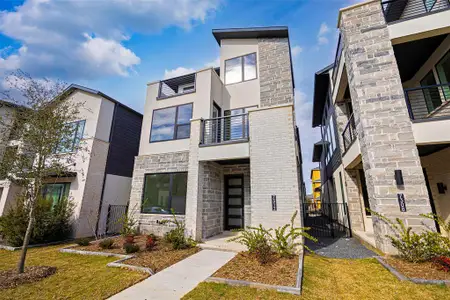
(349, 133)
(177, 86)
(337, 58)
(224, 129)
(394, 10)
(428, 101)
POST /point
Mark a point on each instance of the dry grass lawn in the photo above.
(77, 276)
(326, 278)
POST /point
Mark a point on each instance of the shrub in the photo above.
(442, 262)
(131, 248)
(176, 236)
(128, 223)
(106, 243)
(412, 246)
(263, 252)
(150, 243)
(287, 238)
(253, 238)
(129, 239)
(83, 242)
(52, 222)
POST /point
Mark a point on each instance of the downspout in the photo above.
(111, 132)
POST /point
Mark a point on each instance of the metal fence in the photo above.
(327, 219)
(224, 129)
(394, 10)
(114, 218)
(349, 133)
(428, 101)
(337, 58)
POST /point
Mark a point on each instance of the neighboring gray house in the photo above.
(220, 146)
(101, 175)
(384, 110)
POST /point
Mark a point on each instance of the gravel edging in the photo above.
(115, 264)
(297, 290)
(404, 278)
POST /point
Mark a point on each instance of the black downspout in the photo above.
(111, 133)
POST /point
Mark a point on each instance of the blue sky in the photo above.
(117, 46)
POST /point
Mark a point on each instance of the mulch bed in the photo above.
(159, 258)
(279, 271)
(10, 278)
(424, 270)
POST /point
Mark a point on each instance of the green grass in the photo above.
(326, 278)
(77, 276)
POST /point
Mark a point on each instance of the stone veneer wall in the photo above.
(275, 74)
(383, 125)
(245, 170)
(213, 202)
(354, 199)
(342, 117)
(157, 163)
(273, 166)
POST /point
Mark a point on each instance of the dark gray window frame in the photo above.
(170, 193)
(176, 125)
(56, 151)
(242, 68)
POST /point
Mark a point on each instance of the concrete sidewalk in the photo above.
(178, 279)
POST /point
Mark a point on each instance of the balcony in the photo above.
(395, 10)
(428, 102)
(177, 86)
(349, 133)
(225, 130)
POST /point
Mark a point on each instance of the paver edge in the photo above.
(279, 288)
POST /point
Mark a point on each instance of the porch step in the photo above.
(220, 242)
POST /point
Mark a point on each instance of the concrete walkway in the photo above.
(221, 242)
(178, 279)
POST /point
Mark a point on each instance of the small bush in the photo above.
(442, 262)
(131, 248)
(106, 244)
(129, 239)
(263, 252)
(150, 243)
(253, 238)
(176, 236)
(83, 242)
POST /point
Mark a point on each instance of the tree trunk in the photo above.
(26, 241)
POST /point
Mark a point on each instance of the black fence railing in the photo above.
(427, 102)
(394, 10)
(177, 86)
(116, 213)
(327, 219)
(225, 129)
(349, 133)
(337, 58)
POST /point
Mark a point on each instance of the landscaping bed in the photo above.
(10, 278)
(424, 270)
(246, 267)
(161, 256)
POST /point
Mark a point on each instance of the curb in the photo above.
(12, 248)
(404, 278)
(115, 264)
(297, 290)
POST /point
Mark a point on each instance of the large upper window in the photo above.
(56, 191)
(443, 70)
(164, 192)
(240, 68)
(171, 123)
(71, 142)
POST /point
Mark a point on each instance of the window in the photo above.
(429, 4)
(236, 126)
(56, 191)
(431, 94)
(71, 142)
(443, 71)
(240, 68)
(171, 123)
(163, 192)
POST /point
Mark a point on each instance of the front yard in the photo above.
(326, 278)
(77, 276)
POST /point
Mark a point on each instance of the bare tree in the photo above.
(41, 119)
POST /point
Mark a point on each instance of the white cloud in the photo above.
(177, 72)
(84, 39)
(322, 38)
(215, 63)
(296, 50)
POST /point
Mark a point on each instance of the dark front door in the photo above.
(234, 201)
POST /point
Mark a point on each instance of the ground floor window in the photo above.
(163, 192)
(56, 191)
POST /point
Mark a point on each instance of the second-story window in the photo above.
(75, 134)
(171, 123)
(240, 68)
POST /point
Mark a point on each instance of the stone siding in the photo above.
(213, 201)
(383, 124)
(342, 117)
(275, 74)
(354, 199)
(157, 163)
(273, 166)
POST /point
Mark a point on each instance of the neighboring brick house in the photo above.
(102, 174)
(220, 146)
(383, 109)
